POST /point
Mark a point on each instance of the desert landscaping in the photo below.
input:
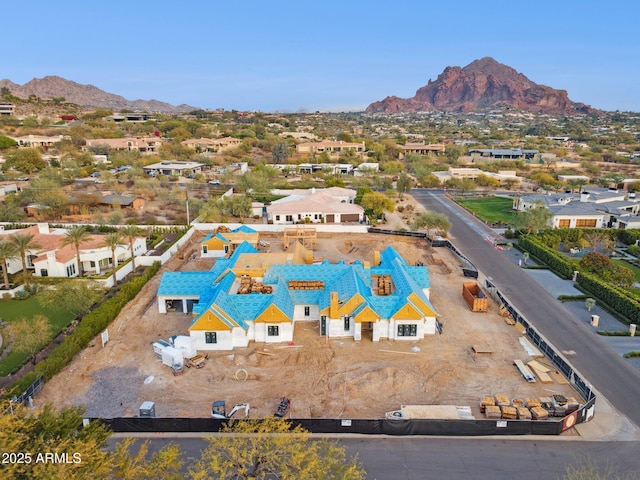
(324, 378)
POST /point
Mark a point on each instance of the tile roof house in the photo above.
(331, 205)
(146, 145)
(54, 259)
(260, 297)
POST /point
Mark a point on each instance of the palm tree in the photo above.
(113, 240)
(8, 252)
(23, 243)
(131, 232)
(75, 236)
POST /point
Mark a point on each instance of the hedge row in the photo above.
(617, 298)
(556, 261)
(91, 325)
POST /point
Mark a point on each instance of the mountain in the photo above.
(86, 95)
(481, 85)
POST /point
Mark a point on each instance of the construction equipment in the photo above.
(283, 407)
(218, 410)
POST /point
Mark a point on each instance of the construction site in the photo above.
(476, 365)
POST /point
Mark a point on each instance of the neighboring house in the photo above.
(39, 140)
(491, 154)
(174, 167)
(7, 109)
(421, 149)
(503, 176)
(145, 145)
(333, 148)
(331, 205)
(131, 117)
(123, 202)
(213, 145)
(260, 297)
(53, 259)
(8, 187)
(366, 168)
(593, 208)
(220, 244)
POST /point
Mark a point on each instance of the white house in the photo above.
(51, 258)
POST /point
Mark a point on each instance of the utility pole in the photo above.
(187, 195)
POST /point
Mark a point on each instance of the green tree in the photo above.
(26, 160)
(6, 142)
(113, 240)
(280, 153)
(404, 184)
(131, 232)
(236, 206)
(24, 242)
(595, 262)
(75, 296)
(333, 181)
(432, 220)
(63, 433)
(76, 236)
(30, 335)
(8, 252)
(377, 203)
(273, 448)
(534, 219)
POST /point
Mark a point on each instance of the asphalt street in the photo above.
(594, 359)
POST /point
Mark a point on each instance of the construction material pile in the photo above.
(306, 284)
(384, 285)
(249, 285)
(499, 406)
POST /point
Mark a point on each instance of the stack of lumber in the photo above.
(532, 402)
(492, 411)
(523, 413)
(487, 401)
(517, 402)
(384, 285)
(245, 285)
(502, 400)
(525, 371)
(541, 371)
(509, 413)
(539, 413)
(306, 284)
(249, 285)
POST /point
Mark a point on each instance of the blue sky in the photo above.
(329, 55)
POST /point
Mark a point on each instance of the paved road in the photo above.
(597, 362)
(418, 458)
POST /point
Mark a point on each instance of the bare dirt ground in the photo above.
(335, 378)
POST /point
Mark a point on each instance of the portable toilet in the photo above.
(148, 409)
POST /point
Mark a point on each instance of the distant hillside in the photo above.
(481, 85)
(87, 95)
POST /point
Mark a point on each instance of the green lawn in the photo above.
(491, 209)
(12, 310)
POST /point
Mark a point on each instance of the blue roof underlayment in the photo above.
(346, 279)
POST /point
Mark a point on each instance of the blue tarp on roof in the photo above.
(244, 229)
(185, 283)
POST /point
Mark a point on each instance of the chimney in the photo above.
(376, 258)
(334, 305)
(43, 228)
(584, 197)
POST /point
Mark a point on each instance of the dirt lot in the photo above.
(338, 378)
